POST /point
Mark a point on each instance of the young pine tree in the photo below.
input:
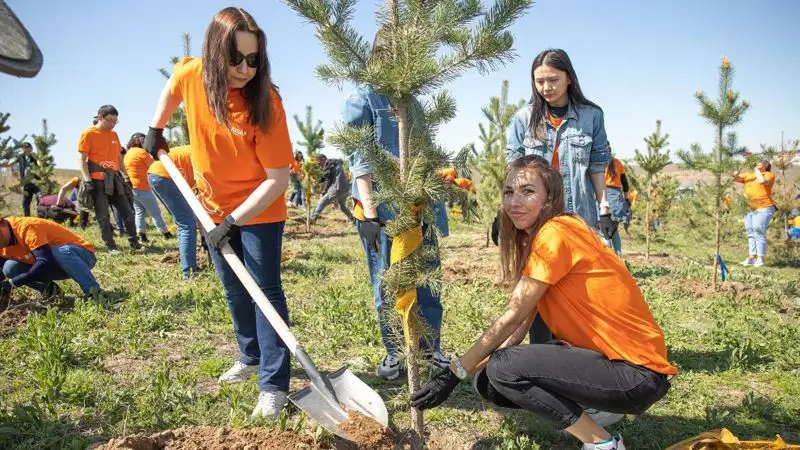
(723, 113)
(491, 163)
(652, 163)
(8, 155)
(42, 171)
(177, 125)
(423, 46)
(313, 140)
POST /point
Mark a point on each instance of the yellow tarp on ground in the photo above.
(725, 440)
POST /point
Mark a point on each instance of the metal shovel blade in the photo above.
(352, 393)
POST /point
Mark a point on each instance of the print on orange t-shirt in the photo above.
(101, 147)
(32, 233)
(593, 302)
(556, 121)
(182, 158)
(137, 161)
(229, 161)
(615, 181)
(758, 195)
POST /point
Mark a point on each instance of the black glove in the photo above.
(5, 287)
(223, 233)
(436, 390)
(370, 230)
(154, 141)
(607, 226)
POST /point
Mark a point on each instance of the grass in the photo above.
(147, 358)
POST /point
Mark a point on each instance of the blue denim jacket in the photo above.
(582, 150)
(364, 107)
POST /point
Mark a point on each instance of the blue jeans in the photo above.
(755, 224)
(297, 195)
(144, 203)
(75, 262)
(168, 193)
(259, 246)
(429, 306)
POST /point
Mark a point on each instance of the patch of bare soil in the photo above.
(367, 434)
(14, 312)
(700, 288)
(210, 438)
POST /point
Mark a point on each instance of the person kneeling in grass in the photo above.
(35, 252)
(610, 353)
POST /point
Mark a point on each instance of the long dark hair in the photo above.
(557, 59)
(136, 140)
(515, 244)
(218, 45)
(612, 168)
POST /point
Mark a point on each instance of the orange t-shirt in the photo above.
(296, 169)
(32, 233)
(556, 121)
(632, 197)
(758, 195)
(137, 161)
(102, 147)
(182, 157)
(230, 160)
(616, 181)
(593, 302)
(74, 182)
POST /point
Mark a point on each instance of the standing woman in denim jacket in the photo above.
(565, 128)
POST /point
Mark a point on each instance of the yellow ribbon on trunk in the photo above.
(402, 246)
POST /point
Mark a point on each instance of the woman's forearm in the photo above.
(263, 196)
(599, 184)
(167, 102)
(364, 184)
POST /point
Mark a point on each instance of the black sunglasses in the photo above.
(251, 59)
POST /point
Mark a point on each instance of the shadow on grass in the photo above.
(716, 361)
(641, 432)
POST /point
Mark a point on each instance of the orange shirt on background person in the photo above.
(229, 161)
(137, 161)
(556, 121)
(296, 168)
(593, 302)
(32, 233)
(182, 158)
(616, 181)
(632, 197)
(101, 147)
(74, 182)
(758, 195)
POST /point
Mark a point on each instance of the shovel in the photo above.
(328, 398)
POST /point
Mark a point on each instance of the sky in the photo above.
(640, 61)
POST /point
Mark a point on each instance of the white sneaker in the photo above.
(615, 443)
(604, 418)
(239, 372)
(759, 263)
(748, 262)
(390, 367)
(114, 251)
(269, 404)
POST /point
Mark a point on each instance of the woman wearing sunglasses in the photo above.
(241, 155)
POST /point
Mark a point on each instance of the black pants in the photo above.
(28, 191)
(558, 382)
(101, 204)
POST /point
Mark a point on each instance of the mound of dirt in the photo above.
(16, 315)
(367, 434)
(210, 438)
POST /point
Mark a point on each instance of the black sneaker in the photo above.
(166, 235)
(52, 292)
(143, 237)
(134, 243)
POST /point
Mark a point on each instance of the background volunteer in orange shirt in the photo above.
(99, 147)
(611, 354)
(34, 252)
(241, 153)
(758, 192)
(137, 161)
(168, 193)
(617, 193)
(296, 175)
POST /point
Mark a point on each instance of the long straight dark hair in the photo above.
(557, 59)
(218, 46)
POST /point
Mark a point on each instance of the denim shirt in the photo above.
(364, 107)
(582, 151)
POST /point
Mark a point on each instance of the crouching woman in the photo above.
(610, 354)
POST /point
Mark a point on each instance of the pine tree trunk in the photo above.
(647, 218)
(308, 212)
(488, 232)
(412, 364)
(717, 211)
